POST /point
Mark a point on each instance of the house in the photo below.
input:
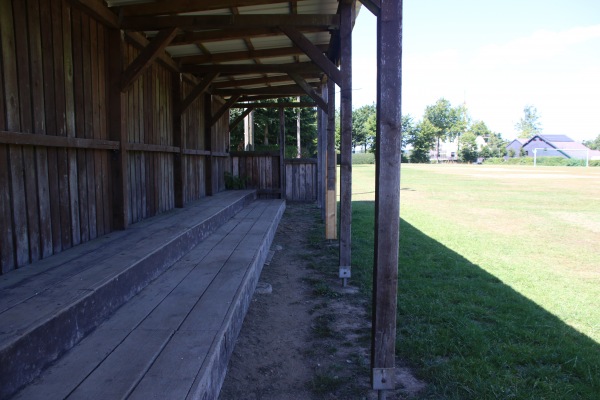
(555, 146)
(551, 146)
(515, 146)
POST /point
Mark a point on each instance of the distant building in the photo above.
(551, 146)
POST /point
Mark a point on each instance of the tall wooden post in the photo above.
(178, 170)
(208, 165)
(387, 193)
(331, 184)
(346, 140)
(282, 182)
(322, 153)
(117, 111)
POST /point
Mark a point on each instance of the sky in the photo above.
(497, 57)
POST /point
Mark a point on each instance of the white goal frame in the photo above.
(587, 154)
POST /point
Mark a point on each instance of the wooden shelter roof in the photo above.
(254, 49)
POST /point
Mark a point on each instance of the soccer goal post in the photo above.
(586, 151)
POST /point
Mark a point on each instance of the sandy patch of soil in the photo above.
(310, 337)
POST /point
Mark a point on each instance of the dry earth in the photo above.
(310, 337)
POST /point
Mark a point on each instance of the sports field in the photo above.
(499, 288)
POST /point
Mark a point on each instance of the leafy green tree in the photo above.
(495, 146)
(530, 124)
(449, 121)
(479, 128)
(422, 138)
(593, 144)
(362, 132)
(468, 147)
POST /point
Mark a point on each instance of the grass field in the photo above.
(499, 288)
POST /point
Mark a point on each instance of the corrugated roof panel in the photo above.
(239, 62)
(318, 37)
(271, 42)
(277, 60)
(276, 8)
(184, 50)
(317, 7)
(226, 46)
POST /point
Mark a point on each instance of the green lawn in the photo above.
(499, 278)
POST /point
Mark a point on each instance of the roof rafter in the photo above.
(309, 90)
(242, 55)
(203, 22)
(231, 69)
(183, 6)
(220, 35)
(261, 81)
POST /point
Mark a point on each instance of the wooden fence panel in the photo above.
(260, 170)
(301, 180)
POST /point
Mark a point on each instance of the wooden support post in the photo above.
(282, 182)
(198, 90)
(387, 193)
(178, 170)
(321, 153)
(208, 167)
(331, 184)
(346, 140)
(117, 111)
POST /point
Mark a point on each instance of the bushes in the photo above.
(363, 158)
(546, 161)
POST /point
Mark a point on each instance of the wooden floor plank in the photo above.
(159, 342)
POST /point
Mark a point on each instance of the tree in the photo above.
(468, 147)
(362, 128)
(449, 121)
(529, 125)
(495, 146)
(421, 138)
(479, 128)
(593, 144)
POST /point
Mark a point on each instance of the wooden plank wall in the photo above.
(150, 137)
(220, 147)
(194, 158)
(55, 152)
(301, 182)
(261, 169)
(53, 194)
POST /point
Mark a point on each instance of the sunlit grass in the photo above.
(499, 277)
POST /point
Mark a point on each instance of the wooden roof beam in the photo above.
(98, 11)
(313, 52)
(286, 90)
(221, 111)
(220, 35)
(309, 90)
(261, 81)
(242, 55)
(302, 104)
(147, 56)
(232, 69)
(372, 5)
(241, 117)
(246, 21)
(184, 6)
(198, 90)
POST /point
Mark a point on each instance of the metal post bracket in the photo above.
(345, 272)
(384, 378)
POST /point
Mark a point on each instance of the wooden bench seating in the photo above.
(180, 284)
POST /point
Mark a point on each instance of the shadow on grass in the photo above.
(469, 335)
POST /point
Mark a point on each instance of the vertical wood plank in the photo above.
(25, 109)
(178, 169)
(13, 122)
(70, 125)
(282, 169)
(387, 194)
(103, 133)
(208, 170)
(331, 179)
(80, 123)
(95, 125)
(50, 125)
(346, 138)
(117, 130)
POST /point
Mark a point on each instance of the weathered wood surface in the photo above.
(46, 309)
(301, 179)
(174, 339)
(387, 195)
(261, 169)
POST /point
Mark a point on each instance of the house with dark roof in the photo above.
(552, 146)
(515, 146)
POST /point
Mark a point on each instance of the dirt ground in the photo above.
(309, 338)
